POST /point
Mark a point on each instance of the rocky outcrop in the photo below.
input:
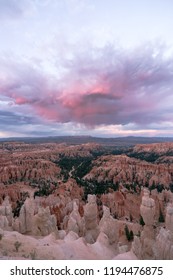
(151, 245)
(147, 209)
(18, 170)
(43, 222)
(6, 215)
(75, 222)
(169, 218)
(143, 246)
(21, 161)
(35, 219)
(127, 171)
(115, 201)
(109, 226)
(24, 223)
(91, 219)
(50, 203)
(164, 240)
(157, 148)
(163, 249)
(4, 222)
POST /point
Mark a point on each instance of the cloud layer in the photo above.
(97, 86)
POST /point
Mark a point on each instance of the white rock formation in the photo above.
(24, 222)
(147, 209)
(109, 226)
(90, 219)
(143, 247)
(1, 233)
(169, 217)
(6, 215)
(43, 222)
(164, 245)
(75, 222)
(4, 222)
(164, 240)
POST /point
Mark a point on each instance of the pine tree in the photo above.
(161, 217)
(141, 221)
(129, 234)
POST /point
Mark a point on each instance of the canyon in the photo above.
(90, 200)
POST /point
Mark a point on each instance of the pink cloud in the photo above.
(111, 88)
(20, 100)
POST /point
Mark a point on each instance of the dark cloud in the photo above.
(9, 118)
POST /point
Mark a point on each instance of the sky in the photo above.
(86, 67)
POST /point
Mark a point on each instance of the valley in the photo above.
(85, 198)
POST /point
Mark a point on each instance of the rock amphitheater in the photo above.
(130, 222)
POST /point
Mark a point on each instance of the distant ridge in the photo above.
(83, 139)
